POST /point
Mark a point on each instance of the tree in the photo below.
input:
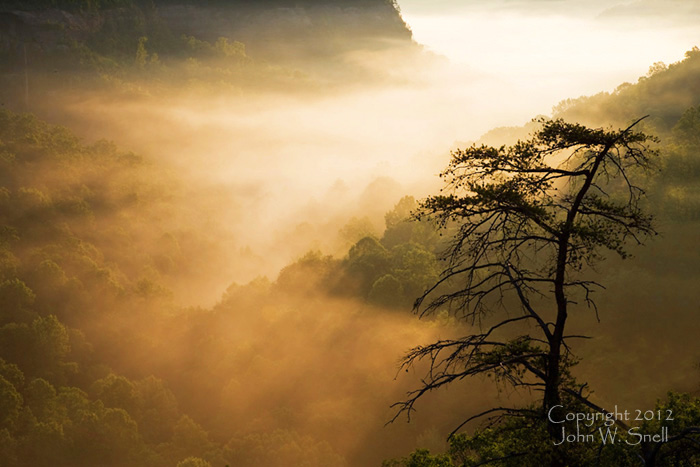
(193, 462)
(527, 222)
(141, 52)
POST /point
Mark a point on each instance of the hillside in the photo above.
(61, 30)
(643, 329)
(670, 96)
(53, 51)
(99, 362)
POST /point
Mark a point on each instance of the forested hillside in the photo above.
(51, 52)
(87, 272)
(648, 301)
(670, 96)
(108, 37)
(81, 258)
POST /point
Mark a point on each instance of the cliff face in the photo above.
(269, 29)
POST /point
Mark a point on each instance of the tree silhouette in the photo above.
(527, 221)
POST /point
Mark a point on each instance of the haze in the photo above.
(506, 62)
(535, 53)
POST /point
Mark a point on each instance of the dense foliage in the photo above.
(94, 241)
(73, 264)
(518, 441)
(674, 201)
(89, 5)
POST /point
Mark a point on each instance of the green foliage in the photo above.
(40, 399)
(683, 430)
(71, 5)
(415, 267)
(8, 447)
(158, 410)
(686, 132)
(677, 194)
(420, 458)
(527, 220)
(229, 49)
(505, 203)
(145, 48)
(221, 48)
(193, 462)
(356, 229)
(141, 53)
(38, 348)
(12, 373)
(189, 439)
(101, 5)
(16, 300)
(395, 276)
(10, 403)
(522, 441)
(312, 273)
(402, 228)
(116, 392)
(386, 291)
(72, 256)
(367, 261)
(280, 448)
(665, 94)
(66, 206)
(670, 96)
(107, 436)
(390, 271)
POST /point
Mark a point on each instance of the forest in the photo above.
(204, 262)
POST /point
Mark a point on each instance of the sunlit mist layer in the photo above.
(536, 53)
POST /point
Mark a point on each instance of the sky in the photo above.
(543, 51)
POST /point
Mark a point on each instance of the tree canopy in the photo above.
(527, 222)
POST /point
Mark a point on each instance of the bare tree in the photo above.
(527, 222)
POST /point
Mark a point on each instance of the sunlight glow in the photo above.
(546, 56)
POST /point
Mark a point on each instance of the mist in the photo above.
(533, 54)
